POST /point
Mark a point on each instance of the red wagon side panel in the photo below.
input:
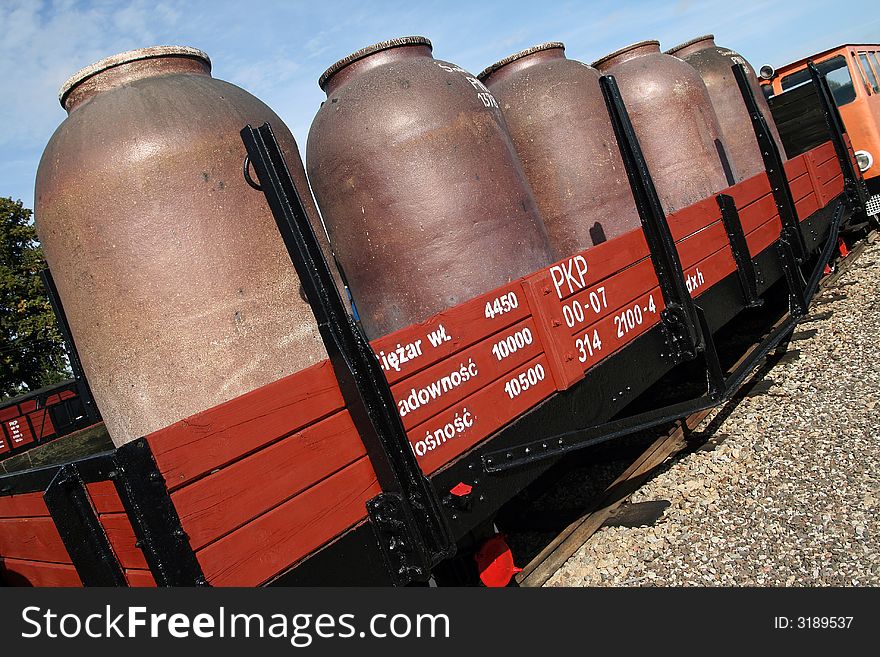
(31, 551)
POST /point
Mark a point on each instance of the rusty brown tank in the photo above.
(714, 66)
(674, 120)
(560, 126)
(419, 185)
(178, 288)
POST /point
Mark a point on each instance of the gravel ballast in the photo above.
(789, 494)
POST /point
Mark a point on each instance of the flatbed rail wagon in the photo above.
(381, 463)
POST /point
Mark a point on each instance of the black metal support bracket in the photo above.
(739, 247)
(793, 277)
(82, 384)
(854, 187)
(81, 532)
(156, 524)
(720, 386)
(679, 315)
(812, 282)
(407, 517)
(774, 167)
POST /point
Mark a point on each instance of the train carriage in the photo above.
(382, 463)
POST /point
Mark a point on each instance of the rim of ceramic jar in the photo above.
(632, 46)
(125, 58)
(549, 45)
(369, 50)
(682, 46)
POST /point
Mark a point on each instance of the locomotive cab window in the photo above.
(838, 75)
(862, 76)
(869, 72)
(874, 57)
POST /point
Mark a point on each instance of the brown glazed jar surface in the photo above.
(178, 288)
(714, 66)
(674, 121)
(560, 127)
(419, 185)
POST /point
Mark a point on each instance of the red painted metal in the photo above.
(276, 540)
(461, 489)
(26, 572)
(19, 432)
(405, 352)
(434, 389)
(217, 504)
(23, 506)
(32, 538)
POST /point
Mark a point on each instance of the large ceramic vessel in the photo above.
(675, 123)
(176, 283)
(562, 132)
(714, 64)
(425, 200)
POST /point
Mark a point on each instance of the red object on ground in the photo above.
(841, 245)
(495, 562)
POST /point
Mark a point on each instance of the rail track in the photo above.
(678, 438)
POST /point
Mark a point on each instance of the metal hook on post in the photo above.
(246, 170)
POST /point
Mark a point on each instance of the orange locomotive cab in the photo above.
(853, 74)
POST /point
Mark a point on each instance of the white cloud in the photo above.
(278, 48)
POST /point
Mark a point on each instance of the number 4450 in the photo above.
(500, 305)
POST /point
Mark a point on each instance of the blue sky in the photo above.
(276, 49)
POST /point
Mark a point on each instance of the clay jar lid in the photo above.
(423, 44)
(624, 54)
(128, 66)
(549, 50)
(692, 46)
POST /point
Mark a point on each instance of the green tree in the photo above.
(31, 349)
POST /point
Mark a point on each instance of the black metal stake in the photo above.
(153, 517)
(854, 188)
(679, 315)
(774, 166)
(407, 517)
(82, 384)
(739, 247)
(81, 532)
